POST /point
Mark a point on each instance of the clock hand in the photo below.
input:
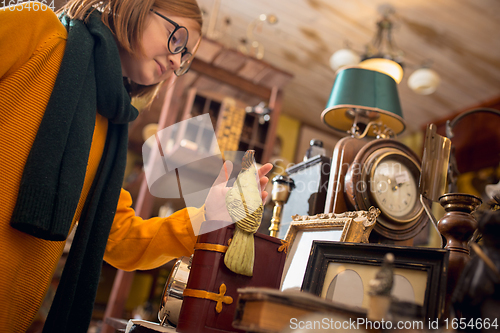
(397, 186)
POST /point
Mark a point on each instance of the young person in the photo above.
(64, 113)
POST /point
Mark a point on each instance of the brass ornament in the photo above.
(210, 247)
(357, 225)
(219, 298)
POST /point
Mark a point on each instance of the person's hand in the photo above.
(263, 180)
(215, 205)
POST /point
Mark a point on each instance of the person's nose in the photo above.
(174, 60)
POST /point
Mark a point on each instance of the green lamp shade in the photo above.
(364, 90)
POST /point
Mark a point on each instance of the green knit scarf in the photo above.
(89, 80)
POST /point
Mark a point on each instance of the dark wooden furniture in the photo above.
(476, 138)
(457, 226)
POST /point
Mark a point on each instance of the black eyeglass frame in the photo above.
(185, 64)
(176, 27)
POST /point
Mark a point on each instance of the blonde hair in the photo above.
(126, 19)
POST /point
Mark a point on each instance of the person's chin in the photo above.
(154, 79)
(146, 80)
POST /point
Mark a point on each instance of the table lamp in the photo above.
(361, 97)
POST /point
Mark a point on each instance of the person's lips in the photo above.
(161, 69)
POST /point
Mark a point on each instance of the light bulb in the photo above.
(424, 81)
(343, 57)
(383, 65)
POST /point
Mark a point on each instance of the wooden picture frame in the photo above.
(420, 270)
(303, 230)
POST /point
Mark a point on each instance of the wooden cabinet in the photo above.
(248, 130)
(254, 136)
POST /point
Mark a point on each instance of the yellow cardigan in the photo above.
(32, 45)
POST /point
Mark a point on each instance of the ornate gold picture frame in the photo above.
(352, 226)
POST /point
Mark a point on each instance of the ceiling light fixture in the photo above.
(255, 48)
(261, 110)
(382, 55)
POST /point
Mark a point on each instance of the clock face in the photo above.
(385, 174)
(394, 188)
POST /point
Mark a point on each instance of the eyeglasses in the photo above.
(178, 38)
(177, 43)
(186, 59)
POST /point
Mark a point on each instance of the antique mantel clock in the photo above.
(369, 167)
